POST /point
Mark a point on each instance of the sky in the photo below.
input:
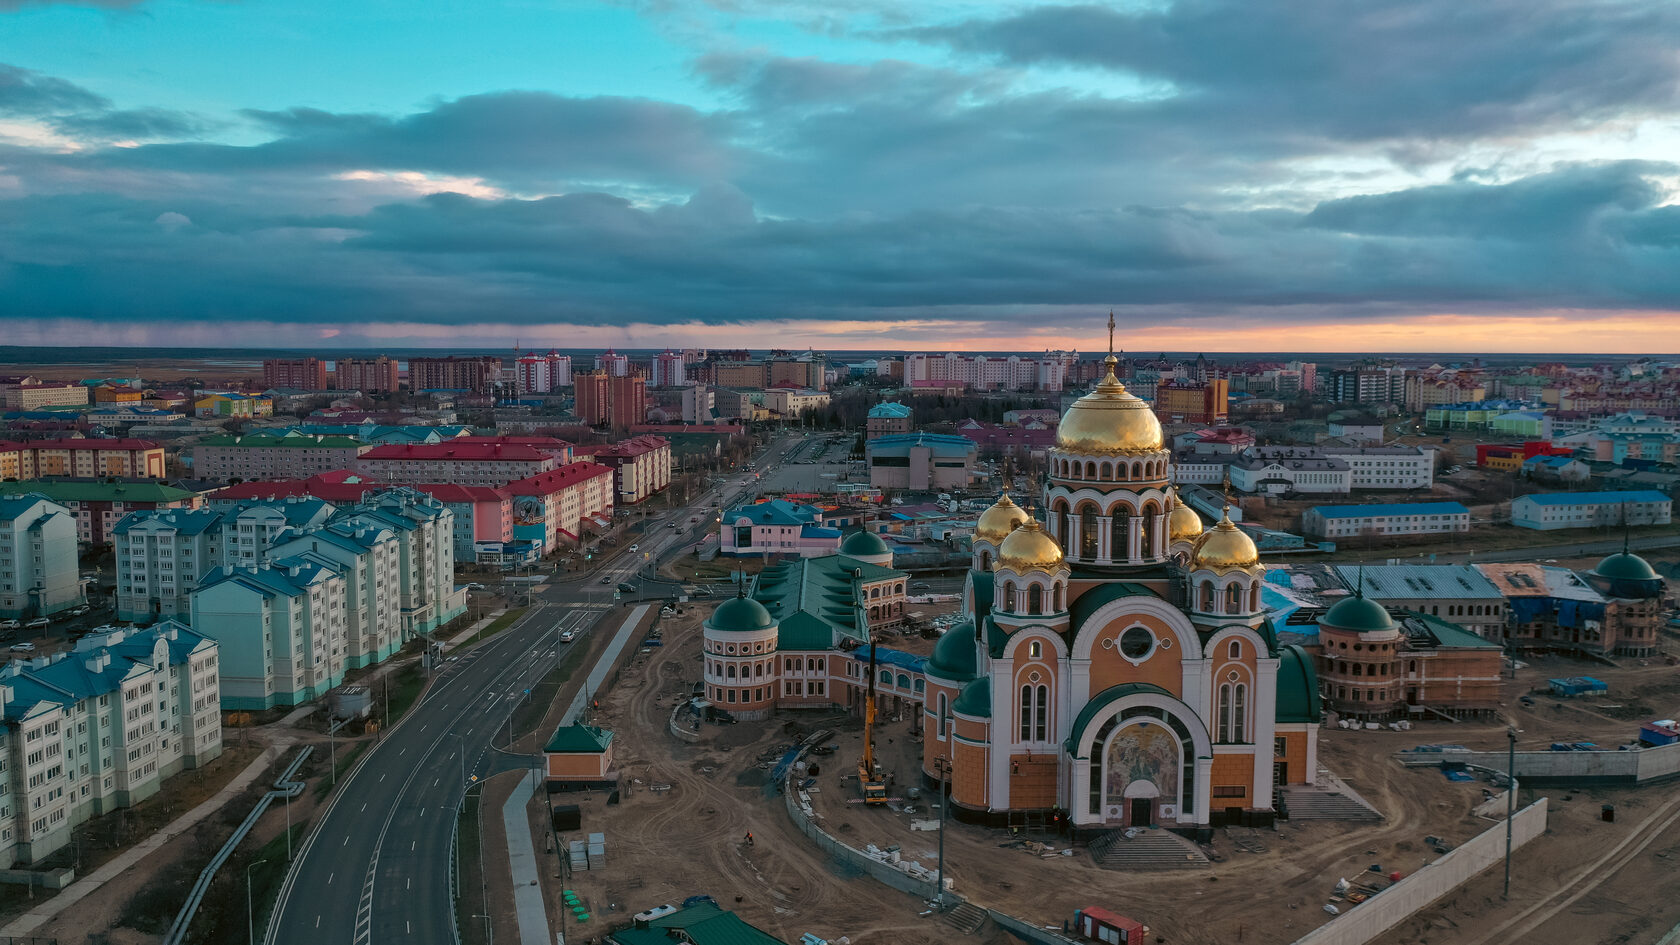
(1224, 175)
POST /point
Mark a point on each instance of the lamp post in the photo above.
(487, 937)
(250, 913)
(943, 765)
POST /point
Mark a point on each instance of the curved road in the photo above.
(376, 870)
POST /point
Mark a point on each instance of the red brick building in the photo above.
(296, 373)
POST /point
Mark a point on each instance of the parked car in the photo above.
(80, 609)
(38, 623)
(23, 647)
(920, 586)
(10, 624)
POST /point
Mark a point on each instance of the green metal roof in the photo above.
(1441, 632)
(95, 490)
(739, 615)
(817, 601)
(1358, 614)
(1089, 602)
(864, 543)
(975, 700)
(1625, 567)
(1103, 699)
(579, 738)
(1297, 687)
(704, 923)
(956, 656)
(981, 583)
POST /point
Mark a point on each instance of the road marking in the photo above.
(317, 921)
(382, 779)
(364, 808)
(422, 728)
(435, 783)
(346, 842)
(412, 844)
(330, 877)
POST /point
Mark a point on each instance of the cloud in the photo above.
(12, 5)
(1401, 69)
(25, 92)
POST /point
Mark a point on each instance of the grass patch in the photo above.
(403, 690)
(346, 758)
(469, 874)
(498, 625)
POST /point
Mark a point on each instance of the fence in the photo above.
(1398, 902)
(284, 786)
(880, 870)
(1566, 767)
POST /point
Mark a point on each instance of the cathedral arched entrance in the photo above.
(1139, 756)
(1141, 800)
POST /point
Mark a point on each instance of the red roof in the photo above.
(449, 492)
(635, 446)
(81, 443)
(554, 480)
(339, 485)
(536, 442)
(450, 451)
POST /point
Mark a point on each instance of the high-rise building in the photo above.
(615, 364)
(1192, 402)
(475, 374)
(592, 393)
(296, 373)
(38, 573)
(668, 369)
(544, 373)
(628, 402)
(368, 375)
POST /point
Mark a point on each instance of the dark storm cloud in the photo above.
(28, 93)
(528, 138)
(135, 123)
(599, 259)
(1359, 71)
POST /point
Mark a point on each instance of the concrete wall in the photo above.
(1646, 764)
(1027, 932)
(1395, 904)
(884, 872)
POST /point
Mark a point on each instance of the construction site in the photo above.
(700, 812)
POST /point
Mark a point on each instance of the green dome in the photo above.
(740, 614)
(975, 700)
(1358, 614)
(956, 655)
(1626, 567)
(864, 545)
(1297, 687)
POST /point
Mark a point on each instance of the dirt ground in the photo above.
(666, 845)
(783, 885)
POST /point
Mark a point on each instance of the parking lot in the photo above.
(58, 633)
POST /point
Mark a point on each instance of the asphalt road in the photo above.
(377, 869)
(1564, 549)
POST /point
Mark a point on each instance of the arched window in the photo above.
(1239, 727)
(1035, 649)
(920, 684)
(943, 720)
(903, 681)
(1088, 531)
(1035, 713)
(1119, 534)
(810, 664)
(1056, 594)
(1107, 470)
(985, 560)
(822, 665)
(731, 671)
(1009, 596)
(886, 676)
(1224, 718)
(1149, 528)
(1090, 470)
(1207, 597)
(1235, 650)
(1233, 599)
(1035, 599)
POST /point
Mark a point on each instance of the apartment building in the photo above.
(477, 375)
(543, 373)
(612, 364)
(669, 369)
(97, 505)
(38, 560)
(38, 396)
(791, 403)
(296, 373)
(641, 466)
(1387, 467)
(465, 464)
(100, 728)
(981, 372)
(552, 509)
(369, 375)
(1550, 511)
(287, 455)
(281, 627)
(160, 559)
(1410, 518)
(1193, 401)
(82, 458)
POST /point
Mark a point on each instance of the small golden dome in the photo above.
(1029, 548)
(1183, 524)
(1225, 548)
(998, 521)
(1109, 420)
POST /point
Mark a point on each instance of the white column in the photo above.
(1104, 535)
(1134, 538)
(1263, 706)
(1204, 790)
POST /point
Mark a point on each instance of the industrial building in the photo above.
(1411, 518)
(921, 461)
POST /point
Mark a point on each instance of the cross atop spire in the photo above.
(1111, 333)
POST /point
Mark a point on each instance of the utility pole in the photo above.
(943, 763)
(250, 914)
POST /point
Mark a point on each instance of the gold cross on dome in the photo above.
(1111, 333)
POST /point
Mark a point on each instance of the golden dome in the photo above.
(1109, 420)
(1183, 524)
(998, 521)
(1029, 548)
(1225, 548)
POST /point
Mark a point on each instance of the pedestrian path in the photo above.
(87, 885)
(522, 858)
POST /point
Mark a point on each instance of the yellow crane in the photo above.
(870, 780)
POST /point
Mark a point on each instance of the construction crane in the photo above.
(870, 781)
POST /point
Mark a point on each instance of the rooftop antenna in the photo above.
(1626, 527)
(1359, 589)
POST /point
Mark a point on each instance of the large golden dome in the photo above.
(1109, 420)
(1225, 548)
(998, 521)
(1029, 548)
(1183, 524)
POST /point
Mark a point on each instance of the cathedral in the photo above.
(1114, 667)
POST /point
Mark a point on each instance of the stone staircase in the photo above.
(1149, 850)
(1309, 804)
(966, 918)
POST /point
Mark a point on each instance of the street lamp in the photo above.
(487, 936)
(1510, 801)
(250, 913)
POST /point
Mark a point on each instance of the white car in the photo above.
(567, 636)
(11, 624)
(38, 623)
(23, 647)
